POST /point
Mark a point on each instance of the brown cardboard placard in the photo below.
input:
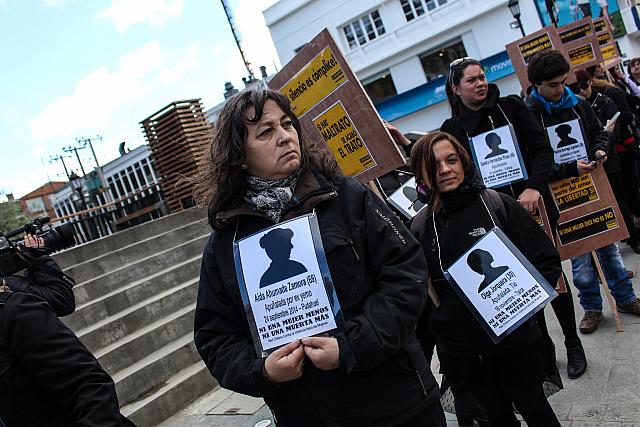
(581, 44)
(334, 110)
(591, 224)
(608, 47)
(573, 192)
(521, 50)
(541, 217)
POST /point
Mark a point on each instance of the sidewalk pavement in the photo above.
(607, 395)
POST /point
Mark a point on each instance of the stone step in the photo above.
(176, 393)
(150, 372)
(142, 268)
(112, 260)
(116, 327)
(120, 299)
(136, 346)
(80, 253)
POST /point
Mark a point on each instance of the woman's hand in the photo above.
(323, 352)
(397, 136)
(285, 364)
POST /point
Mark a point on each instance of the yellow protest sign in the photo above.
(581, 54)
(609, 51)
(315, 81)
(343, 139)
(574, 192)
(531, 47)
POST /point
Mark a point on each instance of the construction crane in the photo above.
(236, 36)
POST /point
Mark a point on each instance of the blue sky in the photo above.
(81, 68)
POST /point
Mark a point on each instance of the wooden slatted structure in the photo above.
(177, 135)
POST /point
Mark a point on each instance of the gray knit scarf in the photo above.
(271, 196)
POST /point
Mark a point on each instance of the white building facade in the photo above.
(400, 49)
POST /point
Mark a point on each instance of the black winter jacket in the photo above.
(595, 135)
(460, 223)
(605, 109)
(534, 146)
(56, 291)
(617, 95)
(379, 273)
(47, 376)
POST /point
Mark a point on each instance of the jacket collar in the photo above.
(470, 119)
(312, 188)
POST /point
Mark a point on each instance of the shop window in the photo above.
(436, 62)
(380, 87)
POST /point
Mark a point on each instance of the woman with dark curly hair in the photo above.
(258, 173)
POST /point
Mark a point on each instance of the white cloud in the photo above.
(98, 94)
(189, 62)
(125, 13)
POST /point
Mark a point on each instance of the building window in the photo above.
(415, 8)
(436, 62)
(364, 29)
(380, 87)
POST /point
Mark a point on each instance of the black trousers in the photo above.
(502, 382)
(432, 416)
(564, 310)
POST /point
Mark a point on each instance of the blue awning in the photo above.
(495, 67)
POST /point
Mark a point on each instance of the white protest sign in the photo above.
(405, 199)
(280, 272)
(567, 142)
(497, 157)
(499, 284)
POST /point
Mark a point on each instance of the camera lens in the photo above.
(60, 237)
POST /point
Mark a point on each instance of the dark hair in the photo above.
(547, 65)
(455, 75)
(423, 159)
(220, 184)
(632, 61)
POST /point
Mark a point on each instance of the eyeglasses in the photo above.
(458, 61)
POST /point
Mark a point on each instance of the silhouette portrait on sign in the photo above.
(493, 141)
(412, 194)
(480, 261)
(277, 244)
(564, 133)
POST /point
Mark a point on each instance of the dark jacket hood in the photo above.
(469, 119)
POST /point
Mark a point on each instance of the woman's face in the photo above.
(272, 149)
(635, 69)
(449, 169)
(617, 72)
(473, 86)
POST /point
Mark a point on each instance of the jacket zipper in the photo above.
(353, 248)
(424, 389)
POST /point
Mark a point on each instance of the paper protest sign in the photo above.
(574, 192)
(405, 199)
(497, 157)
(567, 142)
(499, 285)
(285, 284)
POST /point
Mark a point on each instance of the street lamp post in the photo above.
(514, 7)
(89, 227)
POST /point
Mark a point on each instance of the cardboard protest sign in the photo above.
(405, 199)
(498, 284)
(567, 141)
(523, 49)
(285, 284)
(608, 47)
(334, 110)
(541, 217)
(580, 43)
(497, 156)
(574, 192)
(589, 214)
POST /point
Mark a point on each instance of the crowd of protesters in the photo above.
(392, 278)
(375, 370)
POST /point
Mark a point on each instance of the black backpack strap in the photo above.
(496, 206)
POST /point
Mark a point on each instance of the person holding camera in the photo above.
(42, 277)
(47, 376)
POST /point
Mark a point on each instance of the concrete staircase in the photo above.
(135, 301)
